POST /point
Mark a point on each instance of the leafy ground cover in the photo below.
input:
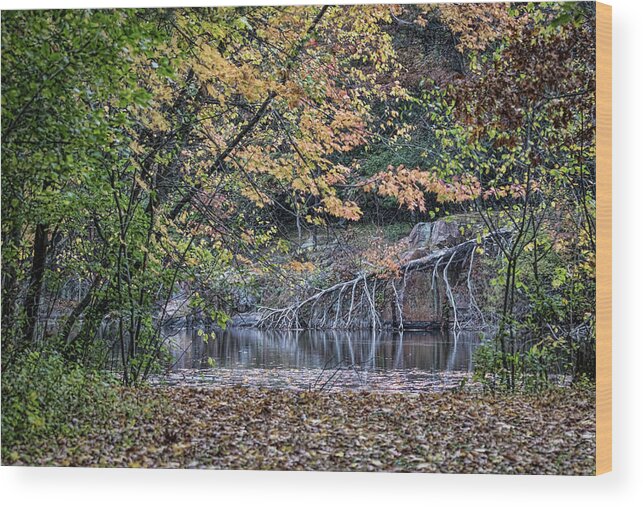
(255, 428)
(411, 380)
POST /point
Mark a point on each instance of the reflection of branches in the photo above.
(345, 364)
(341, 365)
(323, 360)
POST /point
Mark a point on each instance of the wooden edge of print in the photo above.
(603, 238)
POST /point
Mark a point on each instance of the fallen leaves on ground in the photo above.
(254, 428)
(410, 380)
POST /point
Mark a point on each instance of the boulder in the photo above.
(445, 234)
(420, 235)
(434, 235)
(427, 237)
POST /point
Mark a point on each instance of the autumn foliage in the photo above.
(150, 152)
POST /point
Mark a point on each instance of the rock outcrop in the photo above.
(428, 297)
(427, 237)
(435, 235)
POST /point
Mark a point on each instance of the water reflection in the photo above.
(267, 349)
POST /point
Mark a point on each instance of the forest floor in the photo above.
(254, 428)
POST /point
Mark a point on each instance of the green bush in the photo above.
(487, 362)
(531, 369)
(44, 396)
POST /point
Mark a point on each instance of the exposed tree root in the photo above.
(358, 303)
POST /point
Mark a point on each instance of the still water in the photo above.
(253, 349)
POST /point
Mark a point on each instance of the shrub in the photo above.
(44, 396)
(530, 369)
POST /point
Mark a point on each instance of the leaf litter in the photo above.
(257, 428)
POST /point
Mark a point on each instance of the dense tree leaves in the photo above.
(155, 152)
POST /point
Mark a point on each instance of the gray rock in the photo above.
(445, 234)
(420, 235)
(434, 235)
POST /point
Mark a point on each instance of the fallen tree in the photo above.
(359, 303)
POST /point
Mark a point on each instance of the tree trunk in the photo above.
(32, 301)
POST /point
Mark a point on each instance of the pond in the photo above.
(409, 361)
